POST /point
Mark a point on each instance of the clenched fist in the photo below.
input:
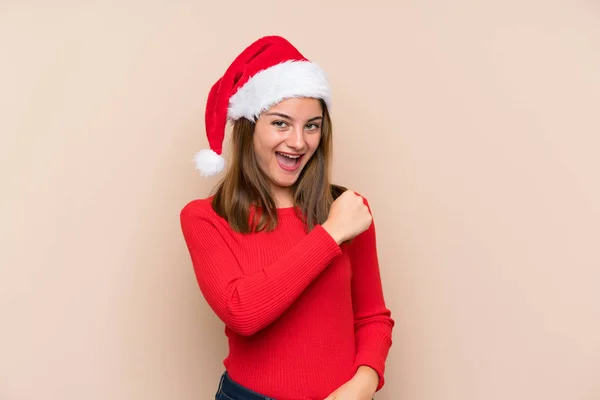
(348, 217)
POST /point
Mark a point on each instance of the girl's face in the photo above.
(285, 138)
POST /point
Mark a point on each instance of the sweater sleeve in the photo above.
(372, 319)
(249, 303)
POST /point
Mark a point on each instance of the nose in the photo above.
(295, 139)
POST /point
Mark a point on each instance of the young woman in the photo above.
(287, 260)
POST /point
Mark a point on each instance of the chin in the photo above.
(287, 182)
(284, 179)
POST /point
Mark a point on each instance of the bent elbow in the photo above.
(243, 329)
(243, 323)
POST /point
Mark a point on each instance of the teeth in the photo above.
(289, 156)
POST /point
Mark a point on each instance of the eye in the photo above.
(279, 124)
(312, 127)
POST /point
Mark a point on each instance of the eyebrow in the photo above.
(290, 118)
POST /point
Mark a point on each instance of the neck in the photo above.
(283, 197)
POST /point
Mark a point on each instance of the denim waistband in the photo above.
(235, 391)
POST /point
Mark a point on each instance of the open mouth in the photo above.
(287, 161)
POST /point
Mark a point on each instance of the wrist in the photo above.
(333, 232)
(368, 378)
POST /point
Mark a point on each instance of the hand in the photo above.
(348, 217)
(361, 387)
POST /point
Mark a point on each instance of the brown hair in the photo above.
(245, 186)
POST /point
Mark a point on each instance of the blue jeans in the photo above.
(230, 390)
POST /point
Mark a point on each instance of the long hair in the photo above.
(245, 188)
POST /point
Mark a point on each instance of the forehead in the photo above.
(302, 107)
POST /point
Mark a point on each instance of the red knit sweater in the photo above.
(301, 313)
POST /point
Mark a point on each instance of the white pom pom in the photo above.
(208, 162)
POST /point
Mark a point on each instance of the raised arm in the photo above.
(247, 304)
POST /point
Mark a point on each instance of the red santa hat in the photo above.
(268, 71)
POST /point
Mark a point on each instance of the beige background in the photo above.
(472, 127)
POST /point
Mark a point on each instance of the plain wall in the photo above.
(472, 127)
